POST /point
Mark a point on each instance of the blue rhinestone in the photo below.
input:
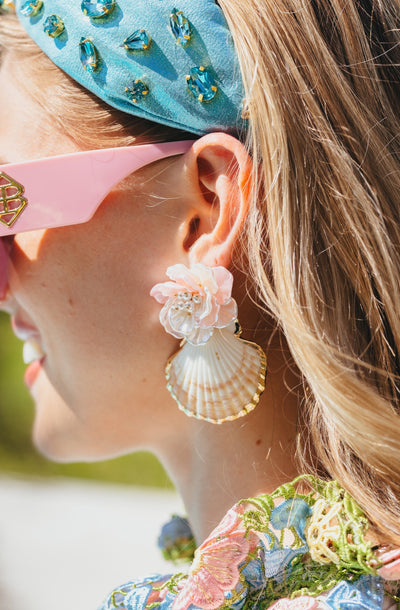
(97, 8)
(138, 41)
(201, 84)
(180, 27)
(53, 26)
(31, 8)
(88, 55)
(137, 91)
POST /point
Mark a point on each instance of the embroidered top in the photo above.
(288, 550)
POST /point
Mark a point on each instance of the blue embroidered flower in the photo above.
(137, 597)
(254, 574)
(136, 594)
(254, 580)
(278, 560)
(367, 592)
(291, 514)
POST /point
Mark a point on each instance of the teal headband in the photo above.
(168, 61)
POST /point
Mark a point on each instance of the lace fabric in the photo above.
(289, 550)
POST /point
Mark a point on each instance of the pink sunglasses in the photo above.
(67, 189)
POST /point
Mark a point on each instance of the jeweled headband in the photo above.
(169, 62)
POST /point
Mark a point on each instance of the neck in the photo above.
(214, 466)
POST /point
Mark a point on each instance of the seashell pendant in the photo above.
(220, 380)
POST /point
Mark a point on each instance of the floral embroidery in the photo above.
(138, 594)
(292, 514)
(215, 567)
(299, 603)
(366, 593)
(278, 552)
(290, 550)
(323, 531)
(196, 301)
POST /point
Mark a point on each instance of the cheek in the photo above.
(27, 246)
(87, 289)
(106, 266)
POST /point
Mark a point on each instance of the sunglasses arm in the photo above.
(67, 190)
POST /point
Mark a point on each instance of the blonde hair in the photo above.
(323, 234)
(323, 87)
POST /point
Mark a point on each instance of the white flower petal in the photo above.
(200, 336)
(181, 321)
(227, 313)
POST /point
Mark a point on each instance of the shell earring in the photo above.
(215, 375)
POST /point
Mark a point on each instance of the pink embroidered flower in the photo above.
(196, 301)
(215, 569)
(298, 603)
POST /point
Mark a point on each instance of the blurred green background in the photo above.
(17, 454)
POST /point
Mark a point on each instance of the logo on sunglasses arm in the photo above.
(12, 202)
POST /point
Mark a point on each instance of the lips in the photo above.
(32, 372)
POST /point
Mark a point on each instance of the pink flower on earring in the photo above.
(196, 301)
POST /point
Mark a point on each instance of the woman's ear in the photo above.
(218, 174)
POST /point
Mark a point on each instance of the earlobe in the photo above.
(218, 169)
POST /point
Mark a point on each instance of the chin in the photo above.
(67, 445)
(57, 431)
(51, 444)
(64, 434)
(57, 436)
(63, 451)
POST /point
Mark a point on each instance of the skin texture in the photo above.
(83, 291)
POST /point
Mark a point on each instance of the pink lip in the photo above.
(32, 372)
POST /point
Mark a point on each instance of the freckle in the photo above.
(43, 284)
(71, 302)
(144, 380)
(258, 442)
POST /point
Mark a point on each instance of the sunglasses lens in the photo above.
(3, 268)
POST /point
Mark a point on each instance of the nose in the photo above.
(4, 250)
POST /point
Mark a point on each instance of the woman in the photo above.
(293, 184)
